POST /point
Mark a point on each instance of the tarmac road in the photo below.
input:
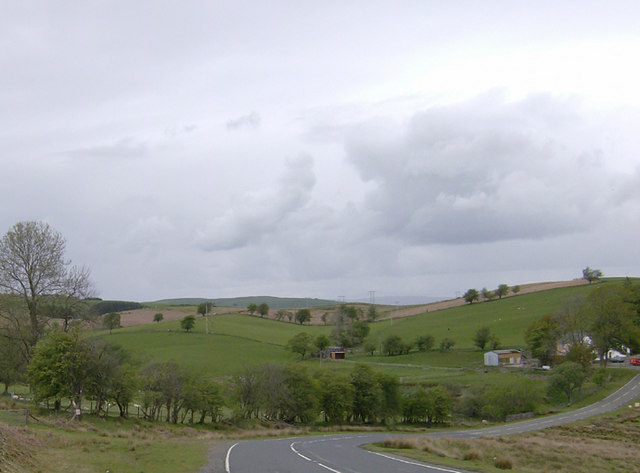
(341, 453)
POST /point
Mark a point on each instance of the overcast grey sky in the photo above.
(324, 149)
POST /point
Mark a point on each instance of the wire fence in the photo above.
(14, 416)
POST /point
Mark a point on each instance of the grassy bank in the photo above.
(606, 443)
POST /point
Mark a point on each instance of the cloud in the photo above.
(251, 121)
(173, 131)
(124, 148)
(486, 170)
(263, 212)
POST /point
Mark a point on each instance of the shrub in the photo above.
(471, 455)
(503, 463)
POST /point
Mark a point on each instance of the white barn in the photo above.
(503, 358)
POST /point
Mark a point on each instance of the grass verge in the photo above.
(606, 443)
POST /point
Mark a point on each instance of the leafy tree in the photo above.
(611, 317)
(425, 342)
(494, 342)
(321, 342)
(591, 275)
(204, 308)
(370, 347)
(12, 363)
(14, 326)
(446, 344)
(503, 290)
(301, 401)
(390, 400)
(581, 354)
(281, 314)
(541, 337)
(158, 317)
(252, 308)
(487, 294)
(367, 399)
(33, 268)
(263, 309)
(515, 289)
(573, 319)
(111, 321)
(393, 345)
(481, 337)
(124, 387)
(166, 385)
(432, 405)
(355, 333)
(300, 343)
(112, 378)
(440, 406)
(206, 398)
(350, 330)
(471, 295)
(303, 315)
(335, 397)
(566, 379)
(60, 368)
(188, 322)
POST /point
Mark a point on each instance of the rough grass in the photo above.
(18, 447)
(607, 443)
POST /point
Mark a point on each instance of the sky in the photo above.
(324, 149)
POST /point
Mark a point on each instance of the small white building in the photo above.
(510, 357)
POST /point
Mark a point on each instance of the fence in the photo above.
(14, 416)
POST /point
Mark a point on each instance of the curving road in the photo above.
(340, 453)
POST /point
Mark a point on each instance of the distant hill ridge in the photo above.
(273, 302)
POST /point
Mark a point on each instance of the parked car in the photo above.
(634, 361)
(618, 359)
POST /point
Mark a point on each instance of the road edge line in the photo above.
(227, 466)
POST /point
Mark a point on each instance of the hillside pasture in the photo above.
(238, 340)
(508, 318)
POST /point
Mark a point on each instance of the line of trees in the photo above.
(67, 368)
(473, 295)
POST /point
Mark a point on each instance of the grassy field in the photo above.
(233, 343)
(237, 341)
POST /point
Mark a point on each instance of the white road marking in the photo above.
(293, 449)
(227, 467)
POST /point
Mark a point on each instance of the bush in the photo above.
(471, 455)
(503, 463)
(446, 344)
(424, 342)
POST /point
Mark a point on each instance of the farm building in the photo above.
(503, 358)
(337, 353)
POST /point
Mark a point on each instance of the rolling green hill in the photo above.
(238, 341)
